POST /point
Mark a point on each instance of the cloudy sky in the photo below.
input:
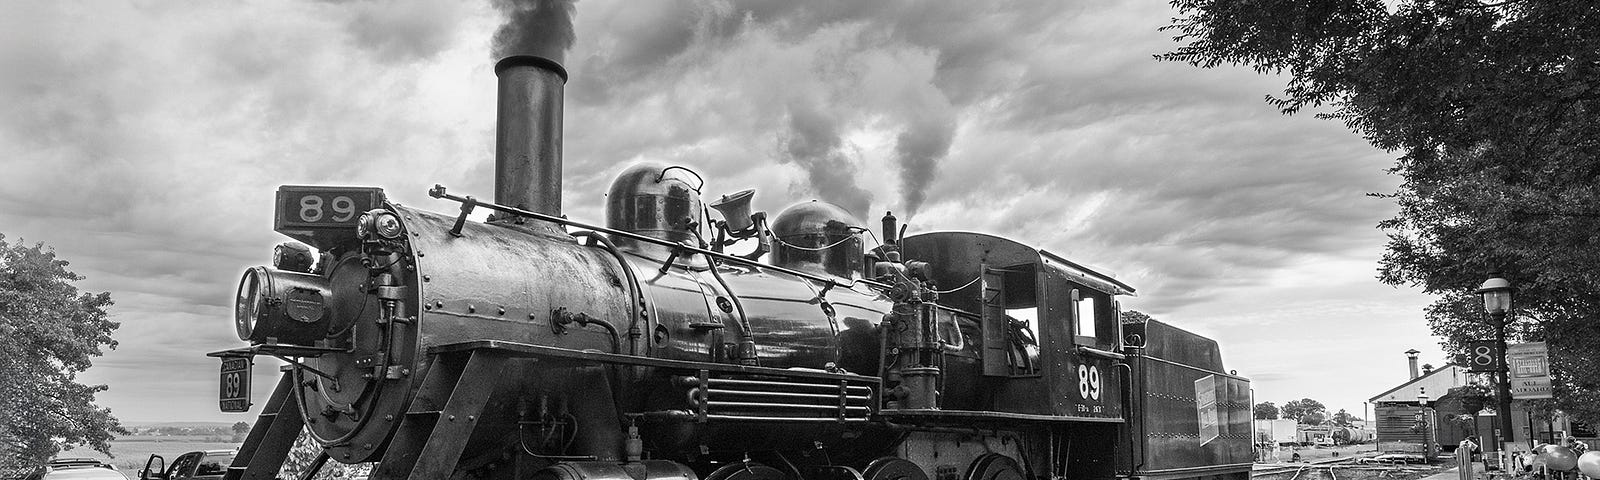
(145, 140)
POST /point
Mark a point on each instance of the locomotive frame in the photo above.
(447, 348)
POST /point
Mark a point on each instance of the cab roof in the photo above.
(966, 251)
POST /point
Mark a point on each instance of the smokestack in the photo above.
(527, 145)
(1411, 357)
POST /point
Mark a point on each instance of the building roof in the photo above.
(1435, 383)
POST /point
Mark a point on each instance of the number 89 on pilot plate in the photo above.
(234, 394)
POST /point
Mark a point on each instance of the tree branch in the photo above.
(1492, 5)
(1556, 214)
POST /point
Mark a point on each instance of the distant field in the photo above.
(131, 451)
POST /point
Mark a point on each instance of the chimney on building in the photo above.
(1411, 358)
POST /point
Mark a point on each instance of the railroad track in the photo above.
(1266, 470)
(1339, 469)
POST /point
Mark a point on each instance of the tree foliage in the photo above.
(1314, 418)
(1343, 418)
(1266, 411)
(51, 331)
(1493, 107)
(1299, 410)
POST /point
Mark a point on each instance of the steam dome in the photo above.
(819, 237)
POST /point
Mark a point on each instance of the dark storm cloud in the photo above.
(400, 32)
(965, 55)
(1160, 168)
(146, 143)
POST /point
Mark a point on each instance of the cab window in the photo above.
(1024, 348)
(1093, 317)
(1084, 321)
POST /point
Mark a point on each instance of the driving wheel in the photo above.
(994, 466)
(891, 468)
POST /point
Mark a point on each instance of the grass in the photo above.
(131, 451)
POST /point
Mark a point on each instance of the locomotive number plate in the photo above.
(301, 206)
(235, 388)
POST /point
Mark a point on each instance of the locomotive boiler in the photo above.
(534, 346)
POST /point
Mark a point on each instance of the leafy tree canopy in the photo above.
(1493, 107)
(1298, 410)
(51, 331)
(1314, 418)
(1266, 411)
(1343, 418)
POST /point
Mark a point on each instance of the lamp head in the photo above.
(1497, 293)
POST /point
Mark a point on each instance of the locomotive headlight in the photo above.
(279, 307)
(380, 222)
(247, 307)
(387, 225)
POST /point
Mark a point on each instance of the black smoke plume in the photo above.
(535, 27)
(814, 144)
(918, 150)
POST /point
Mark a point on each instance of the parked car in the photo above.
(76, 469)
(201, 465)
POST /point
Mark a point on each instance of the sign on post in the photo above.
(1483, 356)
(1530, 370)
(235, 386)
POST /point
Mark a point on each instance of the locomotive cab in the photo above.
(1044, 330)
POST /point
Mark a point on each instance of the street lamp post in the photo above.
(1497, 293)
(1429, 437)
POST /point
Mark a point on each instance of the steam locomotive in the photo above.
(534, 346)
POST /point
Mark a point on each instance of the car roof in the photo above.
(83, 473)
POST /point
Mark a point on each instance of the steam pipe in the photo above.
(527, 151)
(635, 298)
(438, 191)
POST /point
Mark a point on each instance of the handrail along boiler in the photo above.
(530, 345)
